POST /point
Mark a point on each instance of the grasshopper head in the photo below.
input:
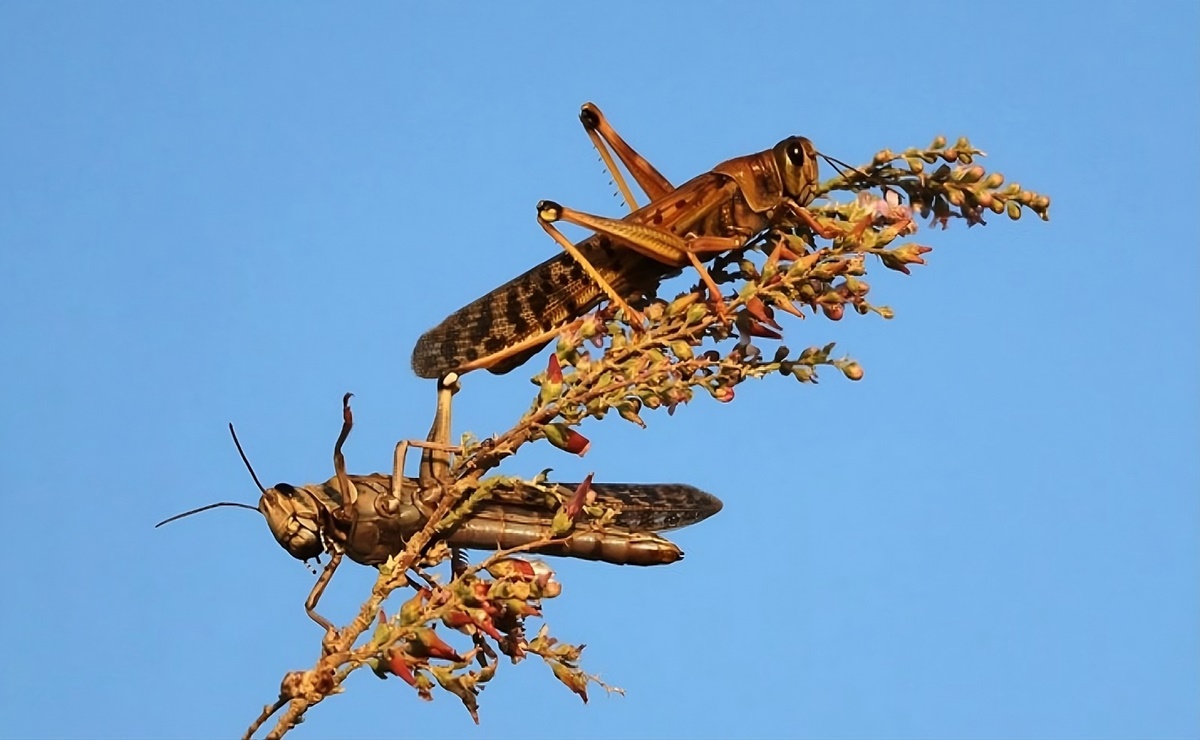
(796, 160)
(294, 516)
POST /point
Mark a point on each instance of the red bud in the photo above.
(400, 667)
(459, 620)
(579, 499)
(755, 329)
(426, 643)
(565, 438)
(759, 310)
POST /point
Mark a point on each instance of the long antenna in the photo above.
(205, 508)
(839, 164)
(245, 460)
(224, 503)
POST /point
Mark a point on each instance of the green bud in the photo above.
(629, 413)
(681, 303)
(682, 350)
(561, 524)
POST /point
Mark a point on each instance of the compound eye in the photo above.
(795, 154)
(285, 489)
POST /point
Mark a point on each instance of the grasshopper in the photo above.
(717, 211)
(370, 517)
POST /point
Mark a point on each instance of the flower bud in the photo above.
(760, 311)
(519, 569)
(681, 303)
(565, 438)
(412, 610)
(553, 384)
(629, 412)
(754, 329)
(722, 393)
(519, 609)
(682, 350)
(572, 678)
(425, 643)
(399, 667)
(583, 495)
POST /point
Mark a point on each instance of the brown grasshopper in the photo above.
(371, 517)
(626, 259)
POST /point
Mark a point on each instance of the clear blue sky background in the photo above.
(238, 212)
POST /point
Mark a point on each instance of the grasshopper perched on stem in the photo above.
(717, 211)
(371, 517)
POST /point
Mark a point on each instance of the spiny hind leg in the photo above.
(604, 136)
(657, 244)
(548, 213)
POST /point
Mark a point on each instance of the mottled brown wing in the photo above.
(642, 507)
(544, 298)
(558, 290)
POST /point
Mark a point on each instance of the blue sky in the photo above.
(227, 212)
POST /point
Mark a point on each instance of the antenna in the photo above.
(223, 503)
(839, 164)
(205, 508)
(245, 460)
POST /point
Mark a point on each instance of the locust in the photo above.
(625, 259)
(369, 518)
